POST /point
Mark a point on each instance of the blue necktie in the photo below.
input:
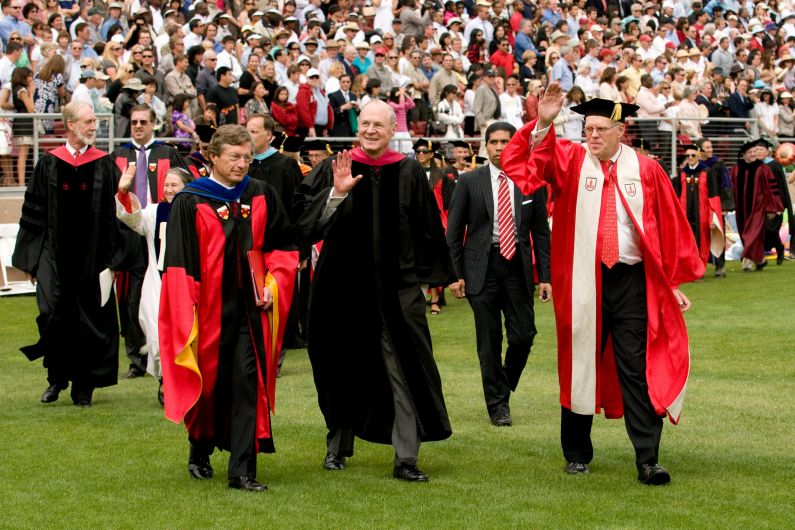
(141, 180)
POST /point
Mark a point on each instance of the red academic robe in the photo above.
(753, 203)
(194, 297)
(709, 213)
(588, 379)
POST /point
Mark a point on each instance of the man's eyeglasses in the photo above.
(237, 158)
(139, 122)
(147, 56)
(589, 131)
(422, 151)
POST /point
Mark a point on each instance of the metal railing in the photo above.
(727, 135)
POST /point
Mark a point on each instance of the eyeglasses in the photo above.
(139, 122)
(589, 131)
(147, 56)
(422, 151)
(13, 38)
(237, 158)
(137, 53)
(392, 57)
(691, 155)
(380, 55)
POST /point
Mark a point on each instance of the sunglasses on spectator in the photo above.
(13, 38)
(392, 57)
(422, 151)
(380, 55)
(139, 122)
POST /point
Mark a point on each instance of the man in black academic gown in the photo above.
(719, 174)
(218, 348)
(780, 189)
(269, 165)
(317, 151)
(68, 239)
(153, 160)
(369, 342)
(699, 193)
(284, 175)
(197, 161)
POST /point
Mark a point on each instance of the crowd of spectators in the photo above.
(448, 68)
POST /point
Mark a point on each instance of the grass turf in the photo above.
(121, 465)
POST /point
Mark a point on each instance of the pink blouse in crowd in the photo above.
(400, 113)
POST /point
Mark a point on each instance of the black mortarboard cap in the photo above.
(425, 144)
(205, 132)
(764, 142)
(318, 145)
(460, 143)
(614, 110)
(278, 140)
(746, 146)
(480, 160)
(292, 144)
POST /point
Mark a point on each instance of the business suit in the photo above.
(342, 118)
(494, 285)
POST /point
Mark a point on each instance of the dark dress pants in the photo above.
(134, 338)
(243, 418)
(624, 320)
(504, 292)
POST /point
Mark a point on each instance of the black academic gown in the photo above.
(68, 234)
(198, 166)
(161, 158)
(281, 172)
(381, 244)
(781, 189)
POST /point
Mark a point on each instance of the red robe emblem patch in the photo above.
(590, 183)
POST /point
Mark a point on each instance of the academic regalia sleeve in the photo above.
(679, 254)
(433, 263)
(676, 182)
(309, 201)
(547, 163)
(178, 323)
(33, 222)
(279, 231)
(539, 228)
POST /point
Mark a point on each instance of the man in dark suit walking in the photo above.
(494, 264)
(345, 106)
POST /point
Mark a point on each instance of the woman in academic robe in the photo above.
(150, 222)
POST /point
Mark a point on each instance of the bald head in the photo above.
(377, 124)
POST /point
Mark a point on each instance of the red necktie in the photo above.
(608, 221)
(505, 218)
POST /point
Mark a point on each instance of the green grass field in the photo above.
(120, 464)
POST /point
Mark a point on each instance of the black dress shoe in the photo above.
(761, 265)
(247, 484)
(51, 394)
(161, 398)
(133, 373)
(577, 468)
(502, 419)
(333, 462)
(720, 272)
(653, 475)
(780, 258)
(409, 473)
(82, 397)
(199, 466)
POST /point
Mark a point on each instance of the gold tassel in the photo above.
(616, 116)
(474, 159)
(328, 150)
(430, 145)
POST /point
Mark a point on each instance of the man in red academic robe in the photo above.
(756, 203)
(699, 193)
(219, 330)
(621, 246)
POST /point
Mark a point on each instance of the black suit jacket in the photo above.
(472, 215)
(342, 123)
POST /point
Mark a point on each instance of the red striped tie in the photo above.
(505, 218)
(608, 222)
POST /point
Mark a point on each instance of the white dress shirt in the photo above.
(494, 172)
(629, 250)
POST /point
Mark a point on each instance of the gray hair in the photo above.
(228, 135)
(72, 110)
